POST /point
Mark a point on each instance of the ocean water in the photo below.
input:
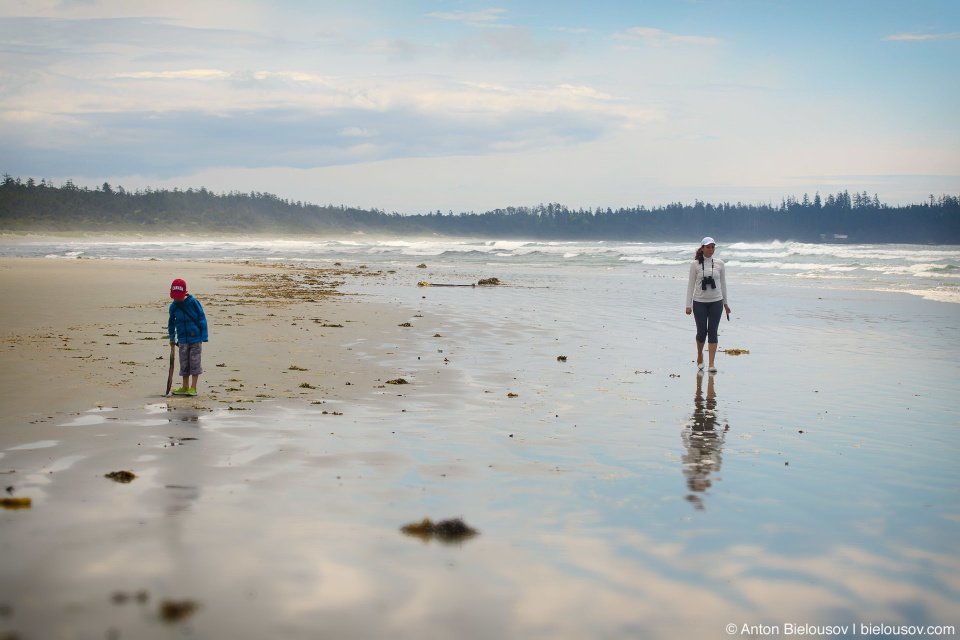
(617, 494)
(931, 271)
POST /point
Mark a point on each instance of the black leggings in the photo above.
(708, 315)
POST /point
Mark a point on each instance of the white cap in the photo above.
(706, 241)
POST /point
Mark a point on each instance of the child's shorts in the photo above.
(190, 359)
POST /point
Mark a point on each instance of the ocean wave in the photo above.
(819, 275)
(920, 270)
(841, 251)
(777, 263)
(937, 294)
(790, 266)
(653, 260)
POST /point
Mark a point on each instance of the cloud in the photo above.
(98, 41)
(485, 18)
(508, 43)
(925, 36)
(179, 121)
(186, 74)
(216, 14)
(358, 132)
(255, 90)
(173, 143)
(577, 30)
(658, 36)
(400, 48)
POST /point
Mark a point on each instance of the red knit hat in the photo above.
(178, 290)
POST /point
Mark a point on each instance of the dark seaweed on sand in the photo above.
(177, 610)
(121, 476)
(446, 531)
(16, 503)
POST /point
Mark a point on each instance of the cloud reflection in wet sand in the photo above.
(307, 539)
(282, 523)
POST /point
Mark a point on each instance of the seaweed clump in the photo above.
(177, 610)
(735, 352)
(397, 381)
(121, 476)
(446, 531)
(489, 281)
(16, 503)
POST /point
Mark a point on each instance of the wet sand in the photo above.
(616, 494)
(84, 364)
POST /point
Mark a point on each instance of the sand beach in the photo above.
(82, 333)
(613, 493)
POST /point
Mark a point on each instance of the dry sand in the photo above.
(77, 334)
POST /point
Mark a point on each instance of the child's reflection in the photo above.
(703, 440)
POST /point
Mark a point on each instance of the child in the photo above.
(188, 328)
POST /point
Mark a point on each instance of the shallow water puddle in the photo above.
(42, 444)
(248, 455)
(63, 464)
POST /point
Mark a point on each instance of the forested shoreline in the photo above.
(36, 207)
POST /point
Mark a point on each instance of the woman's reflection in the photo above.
(703, 441)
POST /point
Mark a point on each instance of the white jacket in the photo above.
(695, 292)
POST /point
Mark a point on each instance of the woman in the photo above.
(707, 298)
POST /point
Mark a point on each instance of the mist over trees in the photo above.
(31, 206)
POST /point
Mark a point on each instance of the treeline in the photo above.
(840, 217)
(41, 206)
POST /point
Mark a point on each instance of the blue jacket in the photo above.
(187, 322)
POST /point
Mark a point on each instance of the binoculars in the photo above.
(708, 281)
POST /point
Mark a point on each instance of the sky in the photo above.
(424, 105)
